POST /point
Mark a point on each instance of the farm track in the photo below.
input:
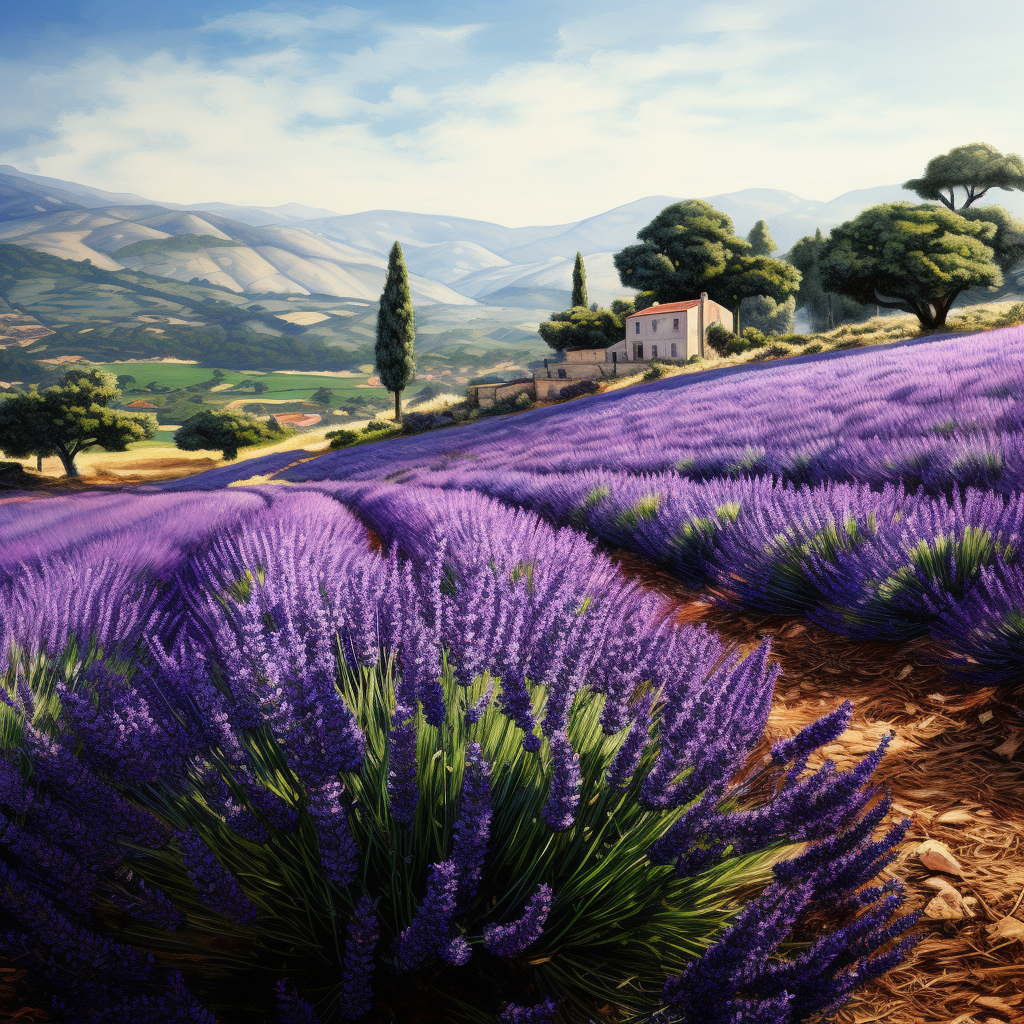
(958, 777)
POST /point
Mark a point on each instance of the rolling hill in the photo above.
(474, 283)
(220, 251)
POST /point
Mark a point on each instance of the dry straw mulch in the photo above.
(955, 768)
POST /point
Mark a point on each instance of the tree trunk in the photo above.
(932, 314)
(398, 406)
(69, 464)
(39, 463)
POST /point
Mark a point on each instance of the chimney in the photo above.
(701, 321)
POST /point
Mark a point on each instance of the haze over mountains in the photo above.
(299, 250)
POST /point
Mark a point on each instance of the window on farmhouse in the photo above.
(675, 324)
(673, 350)
(636, 324)
(654, 351)
(654, 325)
(638, 351)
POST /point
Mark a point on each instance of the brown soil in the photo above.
(955, 768)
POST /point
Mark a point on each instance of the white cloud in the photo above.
(286, 25)
(596, 124)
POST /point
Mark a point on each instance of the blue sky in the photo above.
(522, 112)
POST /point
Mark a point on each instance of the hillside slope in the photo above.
(254, 258)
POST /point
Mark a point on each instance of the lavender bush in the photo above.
(478, 775)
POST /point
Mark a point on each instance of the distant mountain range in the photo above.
(296, 249)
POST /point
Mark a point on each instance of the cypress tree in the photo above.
(396, 333)
(579, 282)
(761, 243)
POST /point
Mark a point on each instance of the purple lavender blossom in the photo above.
(70, 946)
(475, 711)
(627, 757)
(825, 730)
(430, 934)
(291, 1007)
(539, 1013)
(509, 940)
(339, 853)
(473, 825)
(564, 796)
(361, 944)
(133, 894)
(215, 887)
(403, 783)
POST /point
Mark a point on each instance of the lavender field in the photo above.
(879, 493)
(395, 738)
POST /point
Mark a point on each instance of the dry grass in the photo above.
(148, 465)
(955, 767)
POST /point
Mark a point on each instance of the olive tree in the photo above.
(975, 168)
(67, 418)
(920, 258)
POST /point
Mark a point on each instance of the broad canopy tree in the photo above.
(975, 168)
(691, 247)
(396, 332)
(225, 432)
(920, 258)
(69, 417)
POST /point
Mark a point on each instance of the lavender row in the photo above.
(942, 415)
(873, 565)
(270, 727)
(144, 530)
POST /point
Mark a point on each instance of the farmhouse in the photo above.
(673, 330)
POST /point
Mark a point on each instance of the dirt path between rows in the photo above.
(955, 768)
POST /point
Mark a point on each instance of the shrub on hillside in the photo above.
(654, 372)
(416, 422)
(580, 388)
(13, 475)
(720, 339)
(342, 438)
(767, 315)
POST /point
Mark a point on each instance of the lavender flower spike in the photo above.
(403, 788)
(216, 887)
(541, 1013)
(826, 729)
(510, 940)
(291, 1007)
(473, 825)
(339, 854)
(560, 810)
(363, 933)
(430, 933)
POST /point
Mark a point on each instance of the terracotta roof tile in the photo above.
(666, 307)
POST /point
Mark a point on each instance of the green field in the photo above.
(298, 386)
